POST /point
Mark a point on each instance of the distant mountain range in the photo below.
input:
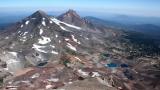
(147, 29)
(132, 20)
(107, 23)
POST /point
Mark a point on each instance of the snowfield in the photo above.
(58, 22)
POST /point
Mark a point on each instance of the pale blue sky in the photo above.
(131, 7)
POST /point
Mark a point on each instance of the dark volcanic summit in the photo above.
(39, 14)
(72, 17)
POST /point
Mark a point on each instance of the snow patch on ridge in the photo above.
(72, 26)
(27, 22)
(25, 33)
(59, 41)
(48, 87)
(95, 74)
(44, 40)
(86, 38)
(36, 75)
(50, 22)
(13, 53)
(52, 46)
(58, 23)
(71, 47)
(39, 48)
(43, 23)
(53, 79)
(66, 39)
(41, 31)
(83, 73)
(78, 59)
(75, 40)
(56, 36)
(21, 25)
(7, 37)
(54, 52)
(69, 25)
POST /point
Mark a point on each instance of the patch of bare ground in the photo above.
(87, 84)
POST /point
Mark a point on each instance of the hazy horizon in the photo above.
(121, 11)
(149, 8)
